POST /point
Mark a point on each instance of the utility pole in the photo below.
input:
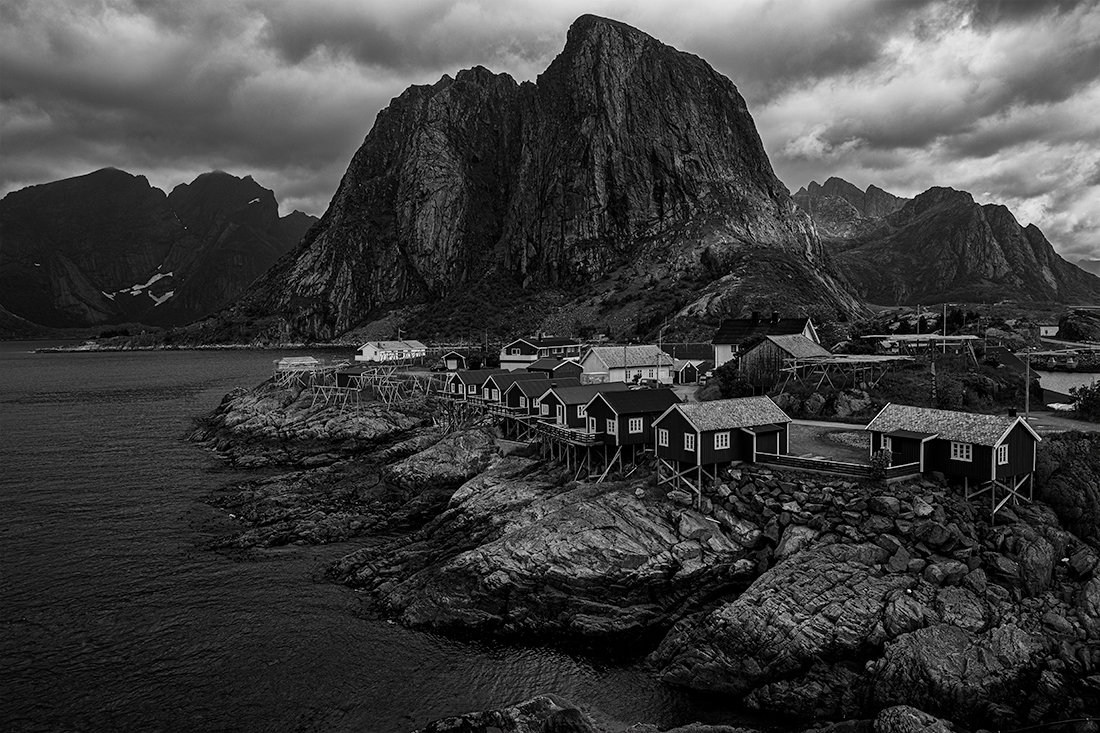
(1027, 384)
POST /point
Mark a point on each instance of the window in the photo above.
(496, 395)
(887, 443)
(962, 451)
(1002, 455)
(536, 402)
(544, 409)
(612, 428)
(454, 387)
(634, 425)
(662, 437)
(513, 352)
(472, 389)
(721, 441)
(689, 442)
(650, 374)
(581, 411)
(522, 401)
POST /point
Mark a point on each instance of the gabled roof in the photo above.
(538, 387)
(476, 376)
(549, 363)
(615, 357)
(740, 412)
(636, 401)
(548, 342)
(453, 353)
(963, 427)
(798, 346)
(580, 395)
(507, 379)
(739, 330)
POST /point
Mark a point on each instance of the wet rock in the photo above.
(796, 538)
(681, 497)
(943, 571)
(1088, 607)
(907, 719)
(456, 458)
(537, 715)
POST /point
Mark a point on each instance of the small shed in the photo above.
(686, 371)
(763, 364)
(453, 361)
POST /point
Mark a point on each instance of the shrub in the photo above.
(731, 382)
(1088, 401)
(880, 461)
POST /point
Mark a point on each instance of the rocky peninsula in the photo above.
(797, 593)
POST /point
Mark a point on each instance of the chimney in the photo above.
(775, 316)
(756, 316)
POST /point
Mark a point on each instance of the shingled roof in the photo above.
(739, 412)
(582, 394)
(476, 376)
(536, 387)
(798, 346)
(964, 427)
(637, 401)
(739, 330)
(507, 379)
(633, 356)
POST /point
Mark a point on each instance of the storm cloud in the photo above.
(997, 98)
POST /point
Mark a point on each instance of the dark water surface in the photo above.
(114, 617)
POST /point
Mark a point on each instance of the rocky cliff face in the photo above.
(623, 151)
(840, 209)
(108, 248)
(939, 246)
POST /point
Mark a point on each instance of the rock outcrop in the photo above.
(108, 248)
(623, 151)
(839, 209)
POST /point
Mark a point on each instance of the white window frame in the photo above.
(722, 440)
(635, 425)
(582, 411)
(514, 351)
(472, 389)
(522, 401)
(544, 410)
(1002, 454)
(612, 426)
(888, 443)
(962, 451)
(496, 395)
(662, 437)
(689, 442)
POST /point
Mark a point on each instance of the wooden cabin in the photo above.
(565, 406)
(627, 364)
(554, 368)
(734, 333)
(453, 361)
(523, 352)
(763, 364)
(687, 371)
(978, 449)
(523, 396)
(467, 383)
(492, 390)
(722, 431)
(626, 418)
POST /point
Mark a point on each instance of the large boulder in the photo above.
(453, 460)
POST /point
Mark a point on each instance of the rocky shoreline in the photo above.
(794, 593)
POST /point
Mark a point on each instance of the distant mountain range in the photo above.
(108, 248)
(939, 246)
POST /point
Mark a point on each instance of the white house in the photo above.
(627, 364)
(381, 351)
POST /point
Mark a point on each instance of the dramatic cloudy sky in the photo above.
(998, 98)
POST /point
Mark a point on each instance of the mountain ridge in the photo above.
(107, 247)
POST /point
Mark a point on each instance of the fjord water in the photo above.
(114, 616)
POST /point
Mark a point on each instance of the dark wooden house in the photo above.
(763, 364)
(686, 371)
(695, 440)
(565, 406)
(735, 334)
(466, 383)
(626, 418)
(553, 368)
(985, 452)
(492, 390)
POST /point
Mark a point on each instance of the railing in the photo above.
(498, 409)
(570, 435)
(904, 469)
(816, 464)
